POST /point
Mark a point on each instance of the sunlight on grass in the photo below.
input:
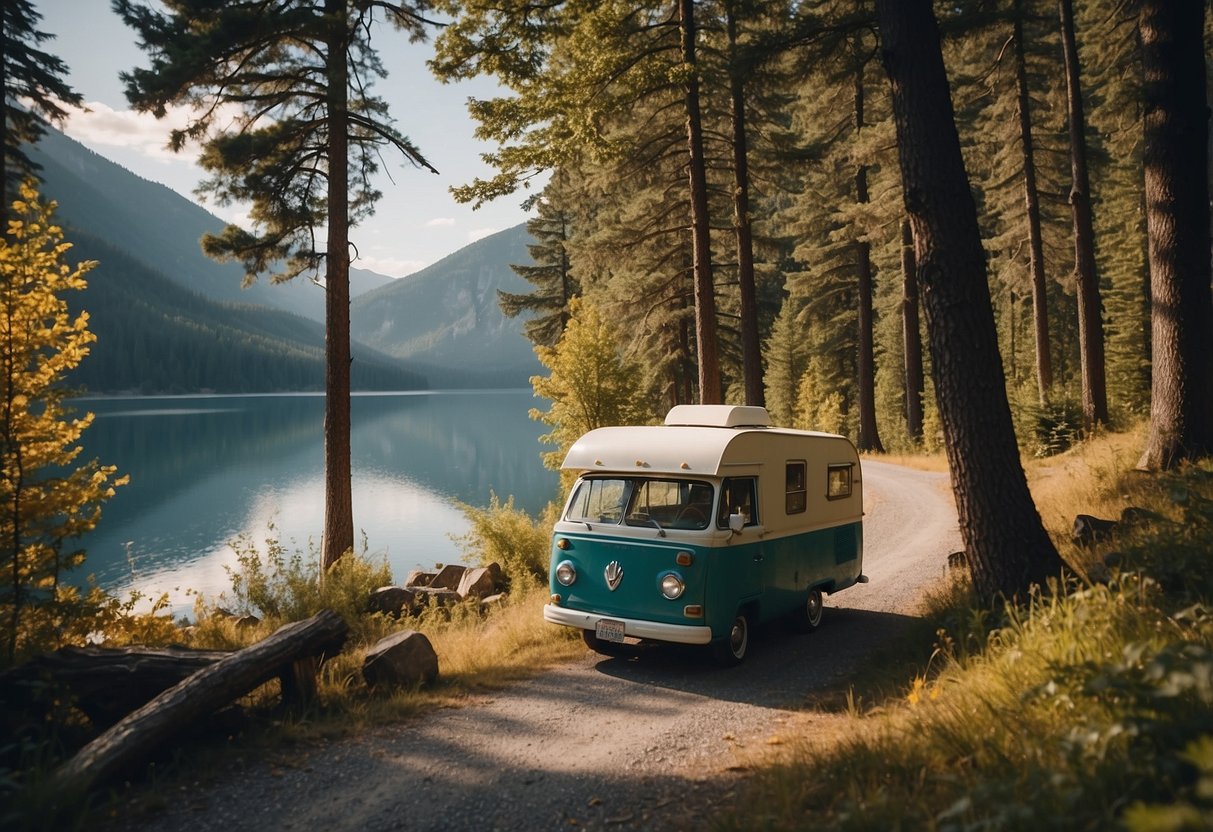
(1089, 709)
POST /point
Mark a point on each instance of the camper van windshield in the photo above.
(642, 501)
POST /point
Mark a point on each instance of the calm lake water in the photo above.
(209, 470)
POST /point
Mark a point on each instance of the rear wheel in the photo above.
(808, 617)
(732, 649)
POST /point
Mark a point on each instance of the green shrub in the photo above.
(510, 537)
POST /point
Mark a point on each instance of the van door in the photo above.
(744, 556)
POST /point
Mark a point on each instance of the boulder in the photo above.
(488, 603)
(482, 581)
(448, 577)
(1088, 529)
(392, 600)
(418, 578)
(403, 659)
(430, 596)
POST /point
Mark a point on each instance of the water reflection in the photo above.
(207, 470)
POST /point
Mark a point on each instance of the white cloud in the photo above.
(102, 125)
(440, 222)
(480, 233)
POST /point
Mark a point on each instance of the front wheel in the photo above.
(808, 617)
(731, 650)
(598, 645)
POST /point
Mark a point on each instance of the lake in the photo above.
(210, 470)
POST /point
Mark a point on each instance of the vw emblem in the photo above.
(613, 575)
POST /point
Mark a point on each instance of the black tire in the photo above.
(606, 648)
(732, 649)
(808, 617)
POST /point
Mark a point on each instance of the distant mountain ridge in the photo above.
(169, 319)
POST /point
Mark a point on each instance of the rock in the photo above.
(246, 621)
(448, 577)
(392, 600)
(497, 600)
(418, 578)
(957, 560)
(403, 659)
(1088, 529)
(1134, 516)
(482, 581)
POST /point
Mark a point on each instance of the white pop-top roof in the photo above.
(693, 440)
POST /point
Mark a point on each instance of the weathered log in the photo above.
(139, 733)
(105, 683)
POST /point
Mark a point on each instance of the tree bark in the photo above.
(142, 731)
(751, 348)
(869, 436)
(1177, 219)
(911, 333)
(1006, 545)
(1090, 309)
(701, 239)
(1036, 257)
(338, 494)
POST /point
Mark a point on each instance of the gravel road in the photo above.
(599, 743)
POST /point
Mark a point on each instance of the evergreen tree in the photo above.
(551, 273)
(1177, 196)
(47, 498)
(302, 147)
(1006, 545)
(34, 91)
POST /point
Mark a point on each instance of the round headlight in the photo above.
(566, 574)
(672, 586)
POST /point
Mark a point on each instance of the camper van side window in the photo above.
(796, 495)
(738, 495)
(838, 481)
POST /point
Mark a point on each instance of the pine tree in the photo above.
(302, 147)
(47, 497)
(34, 91)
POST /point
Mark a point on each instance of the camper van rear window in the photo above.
(650, 502)
(838, 481)
(797, 498)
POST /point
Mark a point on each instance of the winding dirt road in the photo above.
(599, 743)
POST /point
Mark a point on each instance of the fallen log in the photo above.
(139, 733)
(105, 683)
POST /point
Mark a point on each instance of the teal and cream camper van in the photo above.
(700, 529)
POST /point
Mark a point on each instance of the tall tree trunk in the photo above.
(705, 294)
(911, 333)
(1036, 259)
(338, 496)
(1090, 315)
(1007, 548)
(751, 348)
(869, 437)
(1177, 219)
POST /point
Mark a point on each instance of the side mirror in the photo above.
(736, 523)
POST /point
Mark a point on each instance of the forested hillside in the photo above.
(154, 336)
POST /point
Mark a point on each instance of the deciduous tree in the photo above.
(47, 497)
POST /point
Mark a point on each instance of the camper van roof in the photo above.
(672, 448)
(718, 416)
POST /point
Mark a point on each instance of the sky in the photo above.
(417, 222)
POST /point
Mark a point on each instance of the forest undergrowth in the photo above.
(1087, 706)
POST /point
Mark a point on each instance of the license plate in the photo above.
(609, 630)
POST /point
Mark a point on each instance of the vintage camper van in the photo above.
(698, 530)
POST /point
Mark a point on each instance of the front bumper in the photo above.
(634, 627)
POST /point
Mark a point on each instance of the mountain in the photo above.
(445, 320)
(163, 229)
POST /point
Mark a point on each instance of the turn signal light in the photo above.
(563, 543)
(684, 559)
(693, 611)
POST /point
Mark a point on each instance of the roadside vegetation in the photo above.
(1088, 706)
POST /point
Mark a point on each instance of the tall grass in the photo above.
(1089, 707)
